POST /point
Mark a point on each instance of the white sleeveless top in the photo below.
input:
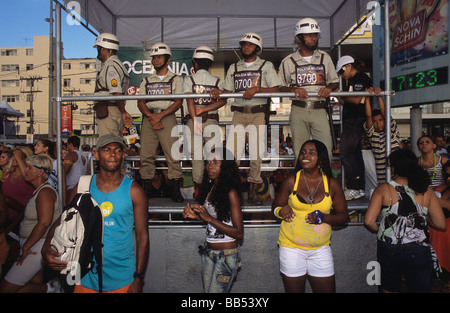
(212, 234)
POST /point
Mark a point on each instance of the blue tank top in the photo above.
(119, 260)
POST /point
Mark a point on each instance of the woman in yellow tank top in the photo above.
(309, 203)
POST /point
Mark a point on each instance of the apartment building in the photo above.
(25, 82)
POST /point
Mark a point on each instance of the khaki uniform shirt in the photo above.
(287, 71)
(112, 78)
(202, 78)
(176, 88)
(268, 79)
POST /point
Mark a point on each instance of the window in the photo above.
(29, 52)
(86, 111)
(66, 82)
(87, 126)
(67, 66)
(10, 83)
(10, 67)
(9, 52)
(30, 67)
(87, 66)
(11, 98)
(86, 81)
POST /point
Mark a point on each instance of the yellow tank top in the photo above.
(299, 233)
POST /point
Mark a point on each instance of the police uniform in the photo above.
(151, 138)
(112, 78)
(239, 78)
(309, 119)
(201, 82)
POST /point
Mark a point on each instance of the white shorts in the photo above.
(298, 262)
(21, 274)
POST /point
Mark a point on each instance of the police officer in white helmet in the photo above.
(249, 76)
(203, 112)
(158, 121)
(112, 79)
(309, 70)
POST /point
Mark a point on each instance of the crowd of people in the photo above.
(308, 199)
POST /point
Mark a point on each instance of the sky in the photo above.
(22, 19)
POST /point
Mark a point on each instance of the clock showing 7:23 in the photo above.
(423, 79)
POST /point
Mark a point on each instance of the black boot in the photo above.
(176, 193)
(147, 186)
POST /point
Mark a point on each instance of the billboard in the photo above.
(419, 59)
(139, 65)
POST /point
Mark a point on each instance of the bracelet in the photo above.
(319, 217)
(276, 212)
(138, 275)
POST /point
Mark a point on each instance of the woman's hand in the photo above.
(22, 257)
(189, 212)
(287, 213)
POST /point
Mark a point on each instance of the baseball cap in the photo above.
(109, 138)
(346, 59)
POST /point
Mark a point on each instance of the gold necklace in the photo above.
(310, 196)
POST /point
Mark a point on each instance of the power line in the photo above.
(31, 79)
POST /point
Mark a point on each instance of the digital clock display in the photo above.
(428, 78)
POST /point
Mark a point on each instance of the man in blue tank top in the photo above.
(124, 206)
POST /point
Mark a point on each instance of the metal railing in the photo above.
(206, 95)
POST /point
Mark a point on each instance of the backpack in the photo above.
(79, 236)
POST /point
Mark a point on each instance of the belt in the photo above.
(225, 252)
(205, 116)
(253, 109)
(310, 104)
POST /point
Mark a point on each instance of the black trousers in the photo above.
(350, 152)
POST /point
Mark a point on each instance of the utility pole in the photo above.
(31, 93)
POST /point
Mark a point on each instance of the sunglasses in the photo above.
(342, 70)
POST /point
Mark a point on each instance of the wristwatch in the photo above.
(139, 275)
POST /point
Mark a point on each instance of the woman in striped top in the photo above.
(430, 161)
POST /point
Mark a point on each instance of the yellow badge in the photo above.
(113, 82)
(106, 208)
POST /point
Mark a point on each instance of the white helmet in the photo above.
(307, 26)
(203, 52)
(107, 41)
(160, 49)
(254, 39)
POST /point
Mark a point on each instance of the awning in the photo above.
(218, 24)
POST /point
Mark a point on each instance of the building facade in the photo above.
(25, 84)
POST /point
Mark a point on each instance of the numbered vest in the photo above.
(197, 88)
(158, 88)
(244, 80)
(310, 74)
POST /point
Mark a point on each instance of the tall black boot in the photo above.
(176, 193)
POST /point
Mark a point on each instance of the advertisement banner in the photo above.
(419, 56)
(139, 64)
(419, 30)
(66, 120)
